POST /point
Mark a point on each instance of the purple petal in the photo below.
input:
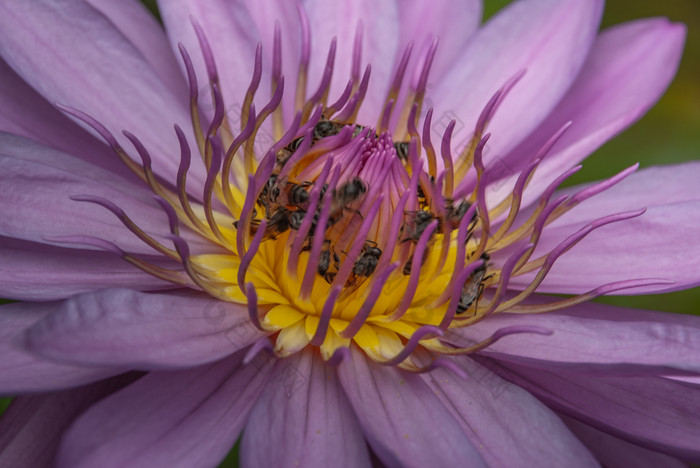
(653, 412)
(121, 89)
(381, 32)
(22, 371)
(232, 40)
(126, 328)
(587, 337)
(38, 272)
(692, 380)
(305, 416)
(36, 182)
(550, 40)
(32, 426)
(141, 29)
(507, 425)
(26, 113)
(265, 14)
(628, 69)
(612, 452)
(421, 21)
(402, 418)
(175, 419)
(661, 243)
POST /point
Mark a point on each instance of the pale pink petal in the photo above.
(233, 30)
(73, 55)
(661, 243)
(380, 32)
(402, 418)
(420, 21)
(22, 371)
(653, 412)
(506, 424)
(265, 15)
(628, 69)
(141, 28)
(37, 183)
(174, 419)
(32, 427)
(230, 33)
(26, 113)
(688, 379)
(612, 452)
(548, 39)
(587, 337)
(304, 414)
(124, 328)
(38, 272)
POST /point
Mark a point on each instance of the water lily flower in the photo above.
(332, 229)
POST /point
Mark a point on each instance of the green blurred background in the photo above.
(669, 133)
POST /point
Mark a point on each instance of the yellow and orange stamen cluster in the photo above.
(338, 235)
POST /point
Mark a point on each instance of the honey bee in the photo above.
(285, 153)
(297, 194)
(358, 129)
(422, 199)
(473, 287)
(363, 267)
(368, 259)
(269, 196)
(326, 128)
(278, 222)
(454, 214)
(328, 266)
(343, 196)
(421, 221)
(401, 148)
(296, 218)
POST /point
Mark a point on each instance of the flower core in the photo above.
(344, 233)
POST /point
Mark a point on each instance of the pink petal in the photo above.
(22, 371)
(38, 272)
(628, 69)
(508, 426)
(692, 380)
(402, 418)
(74, 55)
(36, 182)
(303, 418)
(661, 243)
(587, 337)
(175, 419)
(232, 38)
(124, 328)
(233, 31)
(31, 428)
(653, 412)
(612, 452)
(141, 28)
(26, 113)
(548, 39)
(265, 14)
(381, 32)
(421, 21)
